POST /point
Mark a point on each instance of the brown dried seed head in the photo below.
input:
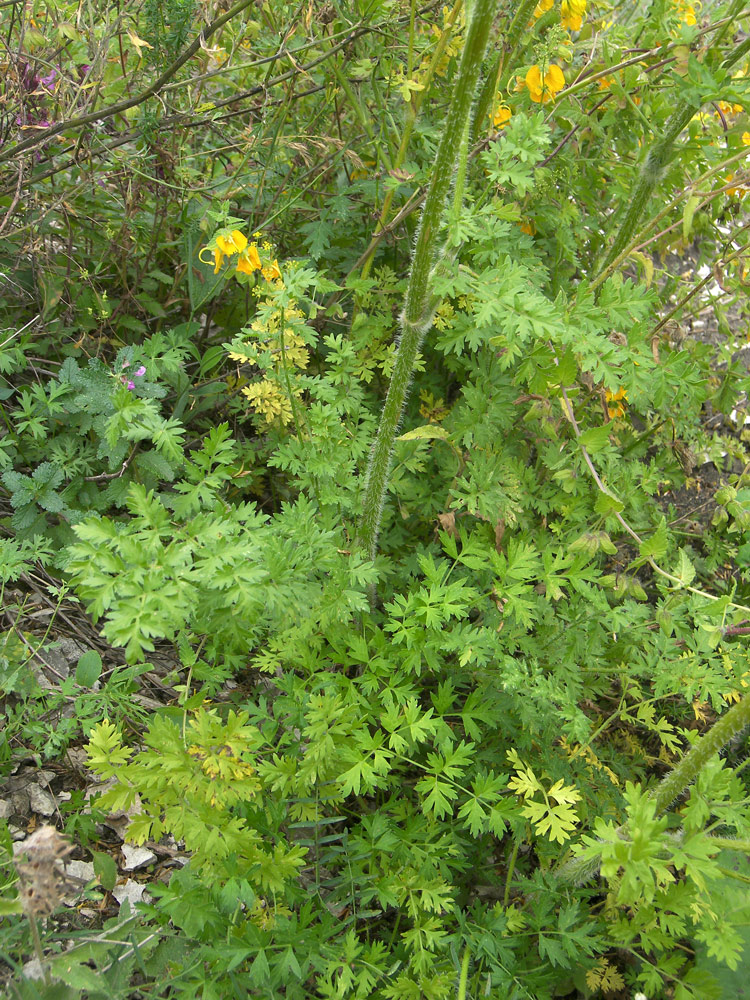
(41, 882)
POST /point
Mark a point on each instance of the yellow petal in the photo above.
(217, 255)
(239, 240)
(534, 79)
(249, 260)
(224, 244)
(554, 79)
(502, 116)
(272, 271)
(234, 243)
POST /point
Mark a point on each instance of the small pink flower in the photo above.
(131, 386)
(141, 371)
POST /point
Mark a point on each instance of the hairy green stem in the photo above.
(411, 119)
(657, 160)
(502, 63)
(464, 977)
(463, 162)
(658, 157)
(418, 310)
(722, 731)
(674, 784)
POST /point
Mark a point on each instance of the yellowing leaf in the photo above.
(555, 817)
(425, 432)
(138, 43)
(604, 977)
(687, 216)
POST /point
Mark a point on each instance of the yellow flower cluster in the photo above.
(269, 401)
(228, 242)
(455, 43)
(729, 109)
(268, 397)
(544, 87)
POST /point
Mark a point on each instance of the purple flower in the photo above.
(131, 386)
(141, 371)
(49, 80)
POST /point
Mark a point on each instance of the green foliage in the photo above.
(451, 745)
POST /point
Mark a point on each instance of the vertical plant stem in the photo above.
(38, 949)
(502, 64)
(671, 787)
(464, 976)
(511, 870)
(658, 158)
(417, 316)
(722, 731)
(463, 162)
(411, 118)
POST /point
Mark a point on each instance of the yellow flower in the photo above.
(501, 116)
(542, 7)
(249, 260)
(271, 271)
(606, 82)
(218, 259)
(746, 138)
(687, 13)
(217, 255)
(234, 243)
(615, 407)
(544, 89)
(735, 188)
(571, 14)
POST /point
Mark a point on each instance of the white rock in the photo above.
(40, 801)
(130, 890)
(6, 809)
(33, 969)
(136, 857)
(80, 870)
